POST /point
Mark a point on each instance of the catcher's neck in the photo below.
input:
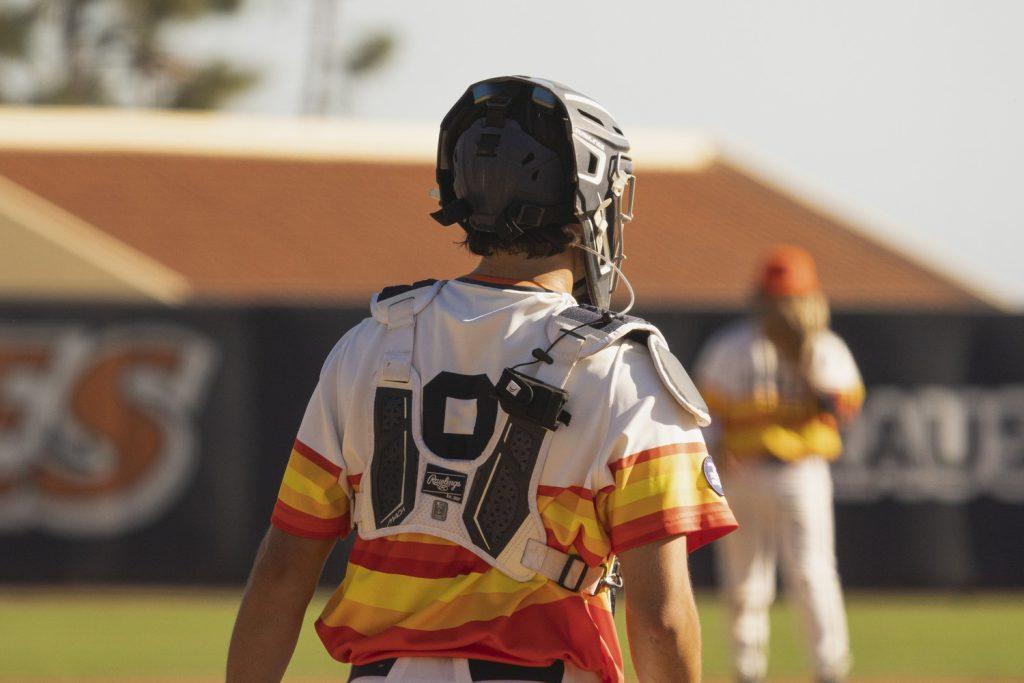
(551, 272)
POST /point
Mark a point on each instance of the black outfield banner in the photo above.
(146, 444)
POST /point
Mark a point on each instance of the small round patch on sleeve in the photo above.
(711, 476)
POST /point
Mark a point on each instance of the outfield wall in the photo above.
(144, 444)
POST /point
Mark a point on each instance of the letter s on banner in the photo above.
(97, 429)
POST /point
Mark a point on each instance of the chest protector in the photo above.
(488, 505)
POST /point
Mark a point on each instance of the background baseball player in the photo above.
(494, 443)
(780, 384)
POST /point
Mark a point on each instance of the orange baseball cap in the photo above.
(789, 271)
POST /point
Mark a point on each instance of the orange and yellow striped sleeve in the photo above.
(661, 492)
(313, 501)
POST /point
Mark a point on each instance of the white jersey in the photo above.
(765, 412)
(629, 469)
(761, 402)
(471, 330)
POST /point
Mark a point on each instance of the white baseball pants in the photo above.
(785, 514)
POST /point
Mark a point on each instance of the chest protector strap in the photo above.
(601, 329)
(596, 329)
(395, 467)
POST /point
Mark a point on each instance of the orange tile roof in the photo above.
(700, 236)
(273, 228)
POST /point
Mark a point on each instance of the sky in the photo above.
(905, 115)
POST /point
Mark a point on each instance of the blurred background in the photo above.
(197, 198)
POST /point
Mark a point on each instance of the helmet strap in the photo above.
(497, 109)
(625, 280)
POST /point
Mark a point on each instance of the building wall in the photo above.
(145, 444)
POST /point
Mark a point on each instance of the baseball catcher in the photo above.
(497, 442)
(780, 385)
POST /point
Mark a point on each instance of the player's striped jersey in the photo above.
(761, 405)
(626, 471)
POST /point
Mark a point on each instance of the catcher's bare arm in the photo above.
(661, 616)
(280, 587)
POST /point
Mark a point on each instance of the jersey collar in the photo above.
(504, 283)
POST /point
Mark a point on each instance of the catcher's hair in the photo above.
(536, 243)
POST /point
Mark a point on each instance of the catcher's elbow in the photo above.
(666, 622)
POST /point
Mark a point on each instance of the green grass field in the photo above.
(134, 635)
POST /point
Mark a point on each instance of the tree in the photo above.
(332, 72)
(111, 52)
(14, 28)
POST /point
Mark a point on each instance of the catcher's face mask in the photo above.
(517, 153)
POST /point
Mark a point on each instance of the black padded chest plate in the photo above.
(395, 465)
(499, 501)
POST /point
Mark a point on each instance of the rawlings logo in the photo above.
(444, 483)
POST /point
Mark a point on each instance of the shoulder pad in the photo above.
(600, 329)
(421, 293)
(677, 380)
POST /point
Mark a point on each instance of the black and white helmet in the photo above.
(517, 153)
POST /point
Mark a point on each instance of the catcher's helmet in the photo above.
(518, 153)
